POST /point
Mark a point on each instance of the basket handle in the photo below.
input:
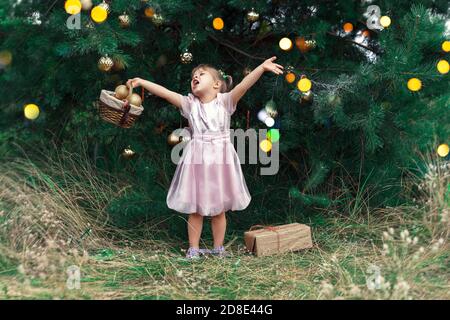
(130, 92)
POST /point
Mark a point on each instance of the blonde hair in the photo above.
(227, 80)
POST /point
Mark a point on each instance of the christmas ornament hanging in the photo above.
(157, 19)
(348, 27)
(86, 4)
(72, 6)
(5, 58)
(414, 84)
(186, 57)
(290, 77)
(443, 66)
(385, 21)
(285, 44)
(306, 97)
(365, 33)
(443, 150)
(252, 16)
(265, 145)
(303, 45)
(271, 108)
(149, 12)
(124, 20)
(310, 44)
(105, 63)
(105, 6)
(31, 111)
(273, 135)
(99, 14)
(127, 153)
(446, 46)
(269, 121)
(304, 84)
(218, 23)
(174, 139)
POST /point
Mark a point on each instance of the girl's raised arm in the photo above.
(158, 90)
(238, 92)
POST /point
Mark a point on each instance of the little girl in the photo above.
(208, 188)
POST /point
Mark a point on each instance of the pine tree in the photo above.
(363, 125)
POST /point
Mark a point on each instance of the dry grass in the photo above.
(366, 256)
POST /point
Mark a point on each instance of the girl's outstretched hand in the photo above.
(135, 82)
(269, 65)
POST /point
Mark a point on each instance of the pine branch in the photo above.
(224, 43)
(352, 41)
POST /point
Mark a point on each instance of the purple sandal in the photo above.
(220, 252)
(194, 253)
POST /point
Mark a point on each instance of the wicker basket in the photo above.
(119, 112)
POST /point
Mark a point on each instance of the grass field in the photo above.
(386, 253)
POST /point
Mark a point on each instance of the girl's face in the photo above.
(202, 81)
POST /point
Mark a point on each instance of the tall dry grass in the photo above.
(53, 214)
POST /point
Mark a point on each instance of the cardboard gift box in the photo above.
(267, 240)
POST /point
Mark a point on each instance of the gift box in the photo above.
(267, 240)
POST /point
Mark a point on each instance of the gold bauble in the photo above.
(443, 66)
(218, 23)
(31, 111)
(300, 42)
(271, 108)
(72, 6)
(414, 84)
(157, 19)
(124, 20)
(285, 44)
(290, 77)
(105, 63)
(86, 4)
(135, 99)
(443, 150)
(310, 44)
(174, 139)
(306, 97)
(385, 21)
(105, 6)
(304, 84)
(252, 15)
(99, 14)
(186, 57)
(121, 92)
(128, 153)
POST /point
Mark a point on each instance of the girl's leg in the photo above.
(218, 226)
(195, 225)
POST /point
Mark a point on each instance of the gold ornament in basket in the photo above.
(119, 112)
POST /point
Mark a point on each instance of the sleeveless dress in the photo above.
(208, 179)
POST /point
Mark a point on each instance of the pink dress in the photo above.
(208, 179)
